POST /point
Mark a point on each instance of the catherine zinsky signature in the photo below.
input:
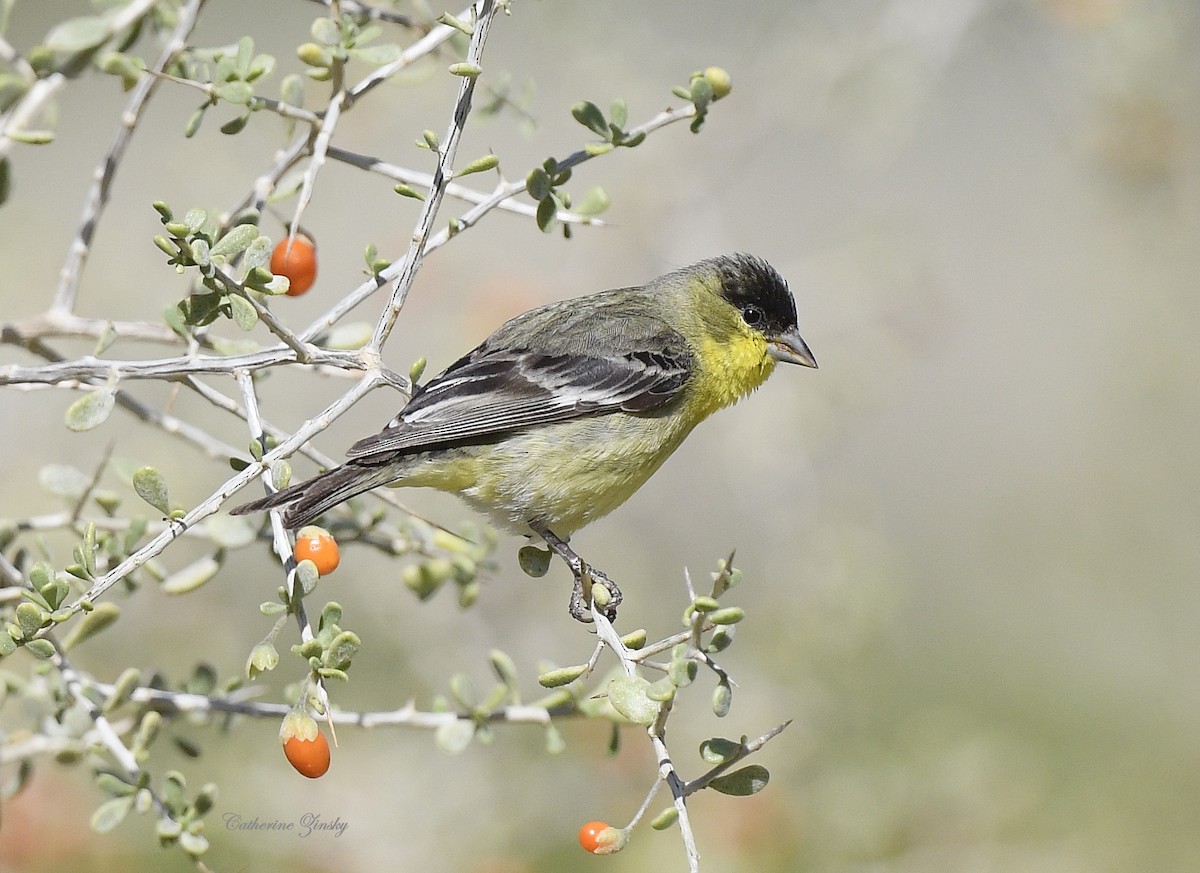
(305, 826)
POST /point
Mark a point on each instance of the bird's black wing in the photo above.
(497, 389)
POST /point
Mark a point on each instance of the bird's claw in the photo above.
(584, 591)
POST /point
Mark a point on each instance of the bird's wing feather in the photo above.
(494, 390)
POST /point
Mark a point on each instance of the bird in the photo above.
(566, 410)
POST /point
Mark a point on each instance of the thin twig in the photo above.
(453, 189)
(320, 145)
(86, 368)
(213, 502)
(108, 736)
(304, 351)
(657, 734)
(446, 153)
(20, 116)
(66, 324)
(508, 190)
(279, 537)
(384, 495)
(97, 196)
(264, 186)
(91, 367)
(744, 751)
(406, 716)
(426, 45)
(373, 12)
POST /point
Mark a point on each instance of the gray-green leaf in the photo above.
(258, 253)
(111, 813)
(594, 202)
(629, 696)
(152, 487)
(237, 240)
(192, 576)
(63, 480)
(195, 219)
(742, 783)
(326, 30)
(350, 336)
(43, 649)
(377, 55)
(718, 750)
(479, 165)
(619, 113)
(229, 532)
(537, 183)
(561, 676)
(454, 736)
(534, 562)
(78, 34)
(235, 92)
(245, 315)
(291, 90)
(589, 115)
(547, 212)
(91, 624)
(90, 410)
(192, 843)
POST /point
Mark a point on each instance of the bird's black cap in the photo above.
(746, 279)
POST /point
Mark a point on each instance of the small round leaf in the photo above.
(152, 487)
(111, 813)
(90, 410)
(454, 736)
(629, 696)
(192, 576)
(743, 782)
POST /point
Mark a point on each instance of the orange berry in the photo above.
(299, 264)
(598, 837)
(309, 757)
(317, 545)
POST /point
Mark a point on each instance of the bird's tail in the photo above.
(308, 499)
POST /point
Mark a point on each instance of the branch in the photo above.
(512, 189)
(304, 351)
(657, 734)
(181, 702)
(59, 323)
(372, 12)
(467, 220)
(91, 367)
(279, 537)
(234, 484)
(265, 184)
(40, 93)
(426, 45)
(416, 250)
(97, 197)
(320, 145)
(744, 751)
(453, 189)
(105, 733)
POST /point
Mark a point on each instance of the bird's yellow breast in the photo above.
(727, 371)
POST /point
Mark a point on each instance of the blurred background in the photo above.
(968, 539)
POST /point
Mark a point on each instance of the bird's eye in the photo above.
(752, 315)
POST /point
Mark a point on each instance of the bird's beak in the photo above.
(791, 349)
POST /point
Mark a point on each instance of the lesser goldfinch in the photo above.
(566, 410)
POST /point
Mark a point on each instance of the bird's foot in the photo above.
(593, 586)
(590, 584)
